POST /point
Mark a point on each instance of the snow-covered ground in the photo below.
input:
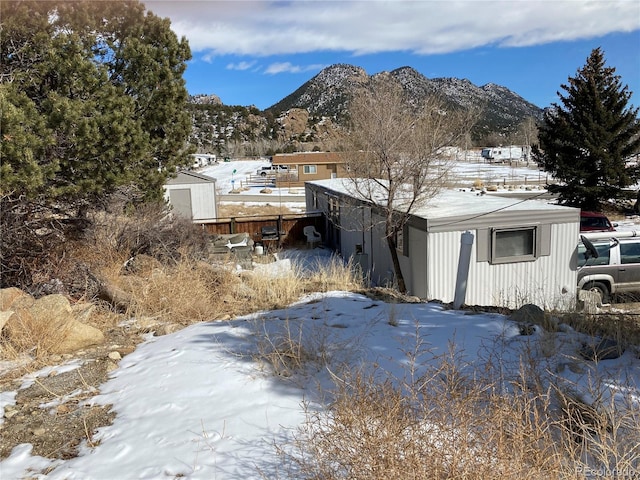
(195, 404)
(233, 174)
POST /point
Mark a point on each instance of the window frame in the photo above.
(306, 169)
(527, 257)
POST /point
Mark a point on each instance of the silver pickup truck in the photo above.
(264, 171)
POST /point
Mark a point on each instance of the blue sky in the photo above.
(258, 52)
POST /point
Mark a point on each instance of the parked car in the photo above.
(615, 269)
(272, 169)
(595, 222)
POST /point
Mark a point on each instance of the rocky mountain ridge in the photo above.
(312, 116)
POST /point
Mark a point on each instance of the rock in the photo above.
(62, 409)
(111, 366)
(527, 329)
(54, 309)
(78, 335)
(528, 313)
(9, 296)
(605, 349)
(115, 356)
(10, 411)
(4, 317)
(82, 311)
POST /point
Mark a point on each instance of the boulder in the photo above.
(605, 349)
(77, 336)
(50, 318)
(9, 296)
(4, 317)
(54, 309)
(528, 313)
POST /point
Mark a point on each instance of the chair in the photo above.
(312, 235)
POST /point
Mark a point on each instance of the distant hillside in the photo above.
(312, 114)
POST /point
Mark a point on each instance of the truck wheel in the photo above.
(264, 174)
(599, 288)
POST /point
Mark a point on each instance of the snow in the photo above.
(197, 404)
(475, 168)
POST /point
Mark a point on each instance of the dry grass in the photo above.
(36, 338)
(624, 327)
(175, 286)
(334, 275)
(450, 422)
(185, 293)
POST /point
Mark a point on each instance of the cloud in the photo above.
(262, 28)
(240, 66)
(287, 67)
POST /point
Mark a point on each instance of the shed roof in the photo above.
(188, 177)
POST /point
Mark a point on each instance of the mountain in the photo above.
(327, 95)
(314, 113)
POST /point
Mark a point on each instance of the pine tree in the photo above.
(586, 141)
(92, 99)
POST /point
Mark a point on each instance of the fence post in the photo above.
(232, 225)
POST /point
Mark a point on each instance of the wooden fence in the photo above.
(289, 227)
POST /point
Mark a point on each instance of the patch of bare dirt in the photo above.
(54, 413)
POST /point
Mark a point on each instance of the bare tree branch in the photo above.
(397, 152)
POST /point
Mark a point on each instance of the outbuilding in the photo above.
(521, 251)
(192, 195)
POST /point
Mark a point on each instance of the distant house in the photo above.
(192, 195)
(307, 166)
(521, 252)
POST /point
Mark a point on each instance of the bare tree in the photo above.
(397, 156)
(527, 135)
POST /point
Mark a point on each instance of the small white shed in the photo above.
(523, 251)
(192, 195)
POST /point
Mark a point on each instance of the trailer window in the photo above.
(513, 245)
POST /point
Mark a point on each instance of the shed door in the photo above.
(180, 199)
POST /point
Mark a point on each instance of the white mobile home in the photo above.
(522, 251)
(192, 195)
(202, 159)
(503, 154)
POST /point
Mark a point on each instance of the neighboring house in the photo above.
(522, 251)
(192, 195)
(309, 166)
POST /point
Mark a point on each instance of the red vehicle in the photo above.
(595, 222)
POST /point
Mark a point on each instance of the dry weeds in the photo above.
(453, 422)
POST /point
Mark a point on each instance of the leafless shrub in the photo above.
(31, 243)
(455, 422)
(150, 230)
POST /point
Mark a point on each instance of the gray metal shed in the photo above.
(192, 195)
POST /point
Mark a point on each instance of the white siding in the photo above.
(510, 285)
(203, 200)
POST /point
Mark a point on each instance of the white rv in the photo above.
(502, 154)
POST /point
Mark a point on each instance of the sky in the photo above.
(196, 404)
(258, 52)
